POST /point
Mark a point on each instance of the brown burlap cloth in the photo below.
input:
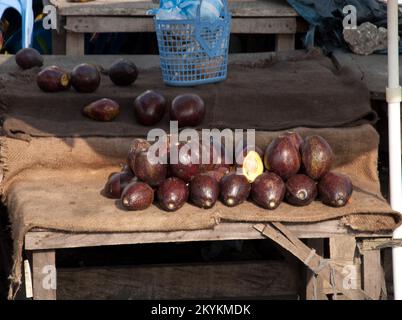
(56, 183)
(267, 94)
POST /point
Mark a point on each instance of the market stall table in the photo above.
(252, 17)
(90, 147)
(43, 245)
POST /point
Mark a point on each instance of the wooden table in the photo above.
(357, 249)
(42, 246)
(251, 17)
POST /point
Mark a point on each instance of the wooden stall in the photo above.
(249, 17)
(350, 251)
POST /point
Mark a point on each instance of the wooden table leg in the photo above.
(75, 44)
(59, 37)
(342, 251)
(373, 275)
(314, 286)
(58, 42)
(44, 274)
(285, 42)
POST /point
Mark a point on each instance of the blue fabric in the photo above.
(41, 40)
(325, 18)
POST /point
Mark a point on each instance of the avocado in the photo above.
(136, 146)
(335, 189)
(218, 173)
(317, 157)
(53, 79)
(149, 171)
(188, 164)
(295, 138)
(149, 107)
(268, 190)
(282, 158)
(204, 191)
(123, 72)
(102, 110)
(188, 109)
(137, 196)
(116, 183)
(85, 78)
(28, 58)
(172, 194)
(301, 190)
(235, 189)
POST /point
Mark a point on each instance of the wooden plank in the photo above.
(314, 286)
(44, 274)
(109, 24)
(195, 281)
(373, 275)
(342, 248)
(288, 240)
(264, 25)
(59, 37)
(35, 240)
(146, 24)
(75, 44)
(59, 42)
(378, 243)
(284, 42)
(260, 8)
(372, 69)
(342, 251)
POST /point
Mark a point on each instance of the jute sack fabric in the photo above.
(263, 94)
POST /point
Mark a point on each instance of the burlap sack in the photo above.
(267, 94)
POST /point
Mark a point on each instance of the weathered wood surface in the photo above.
(284, 41)
(342, 248)
(372, 70)
(144, 24)
(373, 274)
(343, 253)
(327, 269)
(35, 240)
(75, 44)
(315, 284)
(207, 280)
(257, 8)
(379, 243)
(43, 263)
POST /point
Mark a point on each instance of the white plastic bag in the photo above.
(187, 9)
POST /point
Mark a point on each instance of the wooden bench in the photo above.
(354, 249)
(249, 16)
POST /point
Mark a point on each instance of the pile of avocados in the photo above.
(291, 169)
(149, 107)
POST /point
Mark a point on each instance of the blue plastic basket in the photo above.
(194, 51)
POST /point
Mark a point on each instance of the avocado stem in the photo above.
(230, 202)
(302, 195)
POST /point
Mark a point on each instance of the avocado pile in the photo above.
(291, 169)
(149, 107)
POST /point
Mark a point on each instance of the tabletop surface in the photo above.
(244, 8)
